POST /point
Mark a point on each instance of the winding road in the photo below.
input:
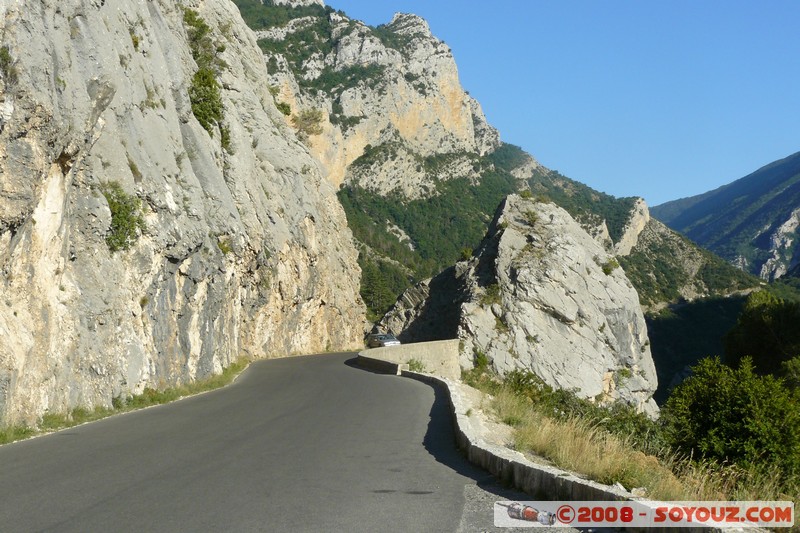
(299, 444)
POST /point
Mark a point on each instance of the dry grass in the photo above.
(578, 446)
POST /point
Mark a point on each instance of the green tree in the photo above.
(308, 122)
(735, 415)
(374, 290)
(791, 372)
(768, 330)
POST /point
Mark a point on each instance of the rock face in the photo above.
(783, 251)
(245, 249)
(391, 100)
(540, 294)
(638, 220)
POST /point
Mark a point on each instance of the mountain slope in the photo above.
(420, 170)
(752, 222)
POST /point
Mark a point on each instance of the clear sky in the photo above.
(656, 98)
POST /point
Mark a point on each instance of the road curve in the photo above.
(299, 444)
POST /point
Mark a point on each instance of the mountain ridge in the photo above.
(453, 177)
(751, 222)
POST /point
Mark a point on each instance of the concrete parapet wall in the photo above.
(438, 357)
(540, 481)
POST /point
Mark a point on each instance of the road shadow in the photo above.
(440, 440)
(376, 369)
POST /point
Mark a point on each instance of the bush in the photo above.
(308, 122)
(206, 100)
(284, 108)
(481, 360)
(7, 67)
(204, 93)
(491, 295)
(415, 365)
(610, 265)
(735, 416)
(768, 330)
(126, 216)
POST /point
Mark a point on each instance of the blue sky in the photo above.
(660, 99)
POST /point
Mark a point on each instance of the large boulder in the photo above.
(540, 294)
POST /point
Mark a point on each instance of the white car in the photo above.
(379, 340)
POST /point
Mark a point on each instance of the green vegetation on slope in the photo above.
(663, 264)
(314, 37)
(787, 287)
(204, 93)
(683, 334)
(441, 226)
(381, 282)
(126, 216)
(299, 46)
(265, 14)
(8, 68)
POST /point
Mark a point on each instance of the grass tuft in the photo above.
(149, 397)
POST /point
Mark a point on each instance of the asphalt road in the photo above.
(300, 444)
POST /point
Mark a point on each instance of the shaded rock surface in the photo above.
(540, 294)
(246, 250)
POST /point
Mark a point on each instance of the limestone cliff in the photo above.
(540, 294)
(244, 249)
(390, 98)
(638, 220)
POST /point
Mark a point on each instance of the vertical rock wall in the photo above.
(246, 250)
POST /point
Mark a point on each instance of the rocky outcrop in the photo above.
(638, 220)
(783, 251)
(540, 294)
(244, 248)
(391, 101)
